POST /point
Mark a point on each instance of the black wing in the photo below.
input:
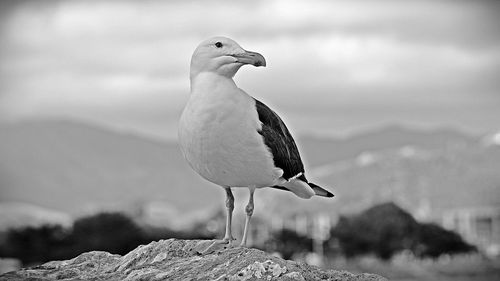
(280, 142)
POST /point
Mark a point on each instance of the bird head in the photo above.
(222, 56)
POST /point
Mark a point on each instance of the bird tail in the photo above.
(318, 190)
(300, 188)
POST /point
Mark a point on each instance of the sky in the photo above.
(333, 67)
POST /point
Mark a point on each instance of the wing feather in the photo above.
(280, 142)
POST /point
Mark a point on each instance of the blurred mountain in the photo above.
(78, 168)
(426, 172)
(376, 140)
(16, 214)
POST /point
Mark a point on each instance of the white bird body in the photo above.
(218, 133)
(232, 139)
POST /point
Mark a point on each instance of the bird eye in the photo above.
(218, 45)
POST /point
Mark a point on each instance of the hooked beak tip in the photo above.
(260, 62)
(252, 58)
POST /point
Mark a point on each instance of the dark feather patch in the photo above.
(280, 142)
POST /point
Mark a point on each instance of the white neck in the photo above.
(205, 82)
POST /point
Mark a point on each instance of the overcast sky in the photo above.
(334, 67)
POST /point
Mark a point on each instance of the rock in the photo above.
(175, 259)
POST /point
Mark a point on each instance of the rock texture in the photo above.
(181, 260)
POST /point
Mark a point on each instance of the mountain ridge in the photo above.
(77, 168)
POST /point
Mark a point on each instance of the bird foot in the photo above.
(216, 246)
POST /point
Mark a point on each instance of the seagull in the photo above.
(234, 140)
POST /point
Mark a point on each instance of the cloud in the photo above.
(127, 62)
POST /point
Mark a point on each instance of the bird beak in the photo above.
(252, 58)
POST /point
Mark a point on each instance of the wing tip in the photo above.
(320, 191)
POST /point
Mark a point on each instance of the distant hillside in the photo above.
(77, 168)
(424, 171)
(380, 139)
(14, 215)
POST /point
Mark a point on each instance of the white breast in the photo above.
(218, 133)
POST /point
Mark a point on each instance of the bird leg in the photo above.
(249, 210)
(226, 242)
(229, 215)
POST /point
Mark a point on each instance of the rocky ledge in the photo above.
(175, 259)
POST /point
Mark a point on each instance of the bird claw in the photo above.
(228, 240)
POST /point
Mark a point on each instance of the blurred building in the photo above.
(479, 226)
